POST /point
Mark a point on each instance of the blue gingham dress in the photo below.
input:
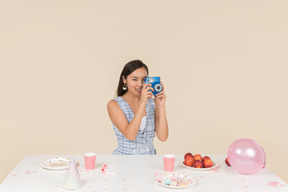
(143, 144)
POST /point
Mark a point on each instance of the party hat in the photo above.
(72, 180)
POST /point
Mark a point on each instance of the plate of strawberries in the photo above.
(198, 163)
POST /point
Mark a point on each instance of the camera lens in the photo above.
(158, 87)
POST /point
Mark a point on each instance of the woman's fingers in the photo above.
(147, 91)
(147, 87)
(150, 95)
(159, 94)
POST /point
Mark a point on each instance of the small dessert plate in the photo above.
(56, 163)
(175, 181)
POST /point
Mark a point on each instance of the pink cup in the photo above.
(90, 159)
(169, 161)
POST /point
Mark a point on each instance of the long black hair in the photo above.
(127, 70)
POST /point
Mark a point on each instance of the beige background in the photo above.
(224, 65)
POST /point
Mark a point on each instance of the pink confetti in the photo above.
(245, 186)
(105, 189)
(56, 185)
(27, 172)
(274, 184)
(14, 175)
(125, 190)
(155, 174)
(135, 187)
(133, 175)
(123, 179)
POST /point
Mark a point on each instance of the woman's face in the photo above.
(135, 81)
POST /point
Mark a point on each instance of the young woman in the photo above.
(137, 115)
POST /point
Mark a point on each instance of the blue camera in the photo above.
(155, 81)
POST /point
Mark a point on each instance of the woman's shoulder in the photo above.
(112, 105)
(114, 102)
(111, 102)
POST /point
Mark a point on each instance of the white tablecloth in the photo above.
(136, 173)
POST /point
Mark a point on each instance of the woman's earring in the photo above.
(124, 87)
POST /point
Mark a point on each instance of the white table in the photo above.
(136, 173)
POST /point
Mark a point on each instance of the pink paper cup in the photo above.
(90, 159)
(169, 161)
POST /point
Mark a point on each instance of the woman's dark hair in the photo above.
(127, 70)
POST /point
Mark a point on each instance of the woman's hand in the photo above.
(160, 98)
(146, 93)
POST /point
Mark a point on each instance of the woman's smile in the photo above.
(139, 89)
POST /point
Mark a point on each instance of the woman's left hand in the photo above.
(160, 98)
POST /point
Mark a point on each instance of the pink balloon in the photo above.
(246, 156)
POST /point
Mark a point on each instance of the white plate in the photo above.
(200, 169)
(56, 163)
(176, 177)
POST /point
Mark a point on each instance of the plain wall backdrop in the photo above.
(223, 64)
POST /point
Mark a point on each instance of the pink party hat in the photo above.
(72, 180)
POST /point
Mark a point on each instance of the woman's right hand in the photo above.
(146, 93)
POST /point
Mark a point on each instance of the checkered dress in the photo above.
(143, 144)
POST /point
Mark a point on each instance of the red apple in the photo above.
(189, 161)
(208, 163)
(188, 155)
(206, 157)
(227, 162)
(198, 157)
(198, 164)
